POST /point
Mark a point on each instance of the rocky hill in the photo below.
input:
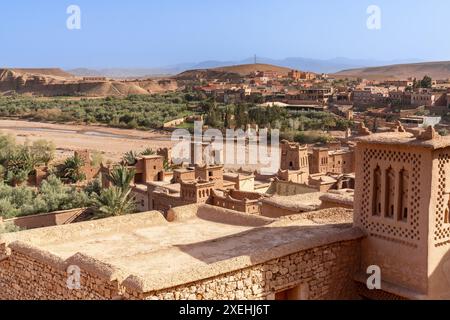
(436, 70)
(56, 82)
(230, 72)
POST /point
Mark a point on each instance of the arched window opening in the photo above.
(376, 207)
(403, 209)
(390, 193)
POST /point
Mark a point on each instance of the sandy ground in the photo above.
(111, 142)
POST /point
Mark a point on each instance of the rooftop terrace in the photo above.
(146, 252)
(406, 139)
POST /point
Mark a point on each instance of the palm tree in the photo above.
(72, 169)
(129, 158)
(18, 166)
(148, 152)
(114, 202)
(122, 177)
(167, 166)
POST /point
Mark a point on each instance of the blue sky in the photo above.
(150, 33)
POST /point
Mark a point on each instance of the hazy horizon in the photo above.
(260, 60)
(143, 34)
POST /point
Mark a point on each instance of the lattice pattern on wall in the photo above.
(365, 293)
(399, 230)
(442, 230)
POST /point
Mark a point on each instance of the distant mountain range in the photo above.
(304, 64)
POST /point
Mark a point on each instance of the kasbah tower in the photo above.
(402, 202)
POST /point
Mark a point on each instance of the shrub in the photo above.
(93, 187)
(96, 158)
(72, 169)
(8, 227)
(17, 162)
(53, 195)
(114, 202)
(43, 151)
(311, 138)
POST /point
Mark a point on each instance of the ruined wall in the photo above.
(293, 176)
(89, 171)
(288, 188)
(141, 199)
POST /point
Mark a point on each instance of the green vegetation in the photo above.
(43, 151)
(122, 177)
(426, 82)
(306, 137)
(18, 162)
(148, 152)
(53, 195)
(96, 158)
(116, 200)
(150, 112)
(167, 166)
(8, 227)
(422, 113)
(132, 112)
(130, 157)
(71, 170)
(274, 117)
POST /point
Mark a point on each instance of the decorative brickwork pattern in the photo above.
(407, 232)
(367, 294)
(442, 229)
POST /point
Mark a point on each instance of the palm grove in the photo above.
(61, 190)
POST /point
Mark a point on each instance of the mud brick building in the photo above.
(400, 222)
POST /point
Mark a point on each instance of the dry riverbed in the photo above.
(111, 142)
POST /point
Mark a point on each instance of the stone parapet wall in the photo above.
(27, 274)
(49, 219)
(323, 272)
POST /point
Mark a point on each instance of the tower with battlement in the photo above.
(294, 156)
(402, 203)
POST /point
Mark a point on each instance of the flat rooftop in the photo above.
(343, 196)
(405, 138)
(172, 187)
(146, 252)
(299, 203)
